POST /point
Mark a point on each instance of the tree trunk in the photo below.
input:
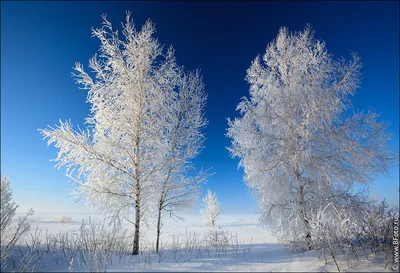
(300, 202)
(135, 250)
(158, 229)
(161, 203)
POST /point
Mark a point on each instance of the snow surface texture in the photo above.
(252, 249)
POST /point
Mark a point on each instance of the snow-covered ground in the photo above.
(253, 249)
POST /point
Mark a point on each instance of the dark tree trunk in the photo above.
(158, 229)
(300, 201)
(135, 249)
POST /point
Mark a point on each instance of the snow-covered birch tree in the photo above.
(115, 161)
(210, 208)
(296, 138)
(184, 139)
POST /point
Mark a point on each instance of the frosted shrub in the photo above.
(352, 234)
(216, 237)
(97, 244)
(331, 233)
(12, 234)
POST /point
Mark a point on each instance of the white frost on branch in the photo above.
(294, 137)
(145, 122)
(10, 234)
(183, 139)
(210, 208)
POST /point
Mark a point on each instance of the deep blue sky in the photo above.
(40, 41)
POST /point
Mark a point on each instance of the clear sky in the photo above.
(40, 41)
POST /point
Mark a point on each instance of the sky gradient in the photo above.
(41, 41)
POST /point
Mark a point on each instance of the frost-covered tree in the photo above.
(115, 162)
(210, 208)
(10, 234)
(184, 138)
(296, 138)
